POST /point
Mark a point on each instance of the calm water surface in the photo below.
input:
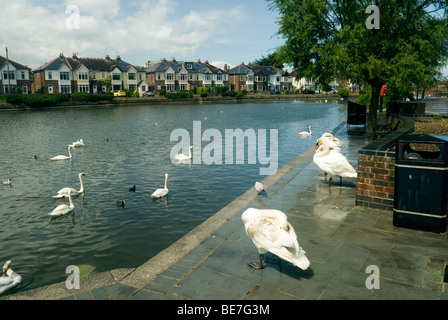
(125, 146)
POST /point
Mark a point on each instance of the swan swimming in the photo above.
(159, 193)
(332, 161)
(10, 278)
(63, 157)
(259, 187)
(64, 191)
(182, 157)
(79, 143)
(306, 133)
(7, 182)
(271, 231)
(62, 209)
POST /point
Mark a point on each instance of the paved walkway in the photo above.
(341, 240)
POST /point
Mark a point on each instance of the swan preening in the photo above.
(57, 158)
(332, 162)
(182, 157)
(306, 133)
(63, 208)
(159, 193)
(333, 142)
(7, 182)
(64, 191)
(271, 231)
(259, 187)
(10, 278)
(79, 143)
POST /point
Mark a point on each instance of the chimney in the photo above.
(206, 61)
(199, 61)
(118, 58)
(242, 63)
(107, 57)
(61, 55)
(225, 67)
(250, 64)
(75, 56)
(173, 60)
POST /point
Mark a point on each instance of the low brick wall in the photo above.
(376, 169)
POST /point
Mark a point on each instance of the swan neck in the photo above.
(71, 200)
(166, 181)
(82, 184)
(326, 148)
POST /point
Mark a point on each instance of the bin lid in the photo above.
(424, 138)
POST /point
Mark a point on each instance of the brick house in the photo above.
(259, 78)
(184, 75)
(91, 75)
(13, 76)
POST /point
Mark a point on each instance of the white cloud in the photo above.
(36, 34)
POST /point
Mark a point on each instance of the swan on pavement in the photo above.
(271, 231)
(332, 161)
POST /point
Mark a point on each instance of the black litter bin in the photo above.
(421, 183)
(356, 114)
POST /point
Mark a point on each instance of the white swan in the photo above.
(7, 182)
(306, 133)
(332, 161)
(10, 278)
(64, 191)
(334, 142)
(271, 231)
(57, 158)
(259, 187)
(159, 193)
(182, 157)
(79, 143)
(63, 208)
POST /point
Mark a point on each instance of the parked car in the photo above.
(275, 92)
(120, 93)
(148, 94)
(308, 91)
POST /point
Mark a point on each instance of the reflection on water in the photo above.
(124, 146)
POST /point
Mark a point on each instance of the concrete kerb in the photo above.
(143, 275)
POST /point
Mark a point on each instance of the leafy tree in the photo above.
(325, 39)
(271, 60)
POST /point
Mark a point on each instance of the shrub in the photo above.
(343, 92)
(183, 94)
(87, 97)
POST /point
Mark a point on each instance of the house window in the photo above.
(94, 76)
(131, 76)
(65, 89)
(169, 76)
(83, 76)
(103, 75)
(250, 78)
(183, 77)
(23, 75)
(183, 87)
(170, 87)
(83, 88)
(189, 66)
(116, 76)
(242, 78)
(208, 77)
(50, 76)
(64, 76)
(24, 89)
(159, 77)
(12, 75)
(219, 77)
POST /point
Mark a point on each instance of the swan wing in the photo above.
(61, 210)
(334, 164)
(64, 193)
(159, 193)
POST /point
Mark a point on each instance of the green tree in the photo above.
(326, 39)
(271, 60)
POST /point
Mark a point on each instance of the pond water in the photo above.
(126, 146)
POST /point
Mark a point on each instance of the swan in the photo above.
(132, 189)
(332, 162)
(182, 157)
(334, 142)
(63, 157)
(7, 182)
(79, 143)
(306, 133)
(271, 231)
(10, 278)
(259, 187)
(159, 193)
(64, 191)
(63, 208)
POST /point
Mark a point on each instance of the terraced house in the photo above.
(184, 75)
(14, 77)
(259, 78)
(91, 75)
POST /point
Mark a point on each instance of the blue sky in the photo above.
(230, 31)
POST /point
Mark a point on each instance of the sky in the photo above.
(222, 32)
